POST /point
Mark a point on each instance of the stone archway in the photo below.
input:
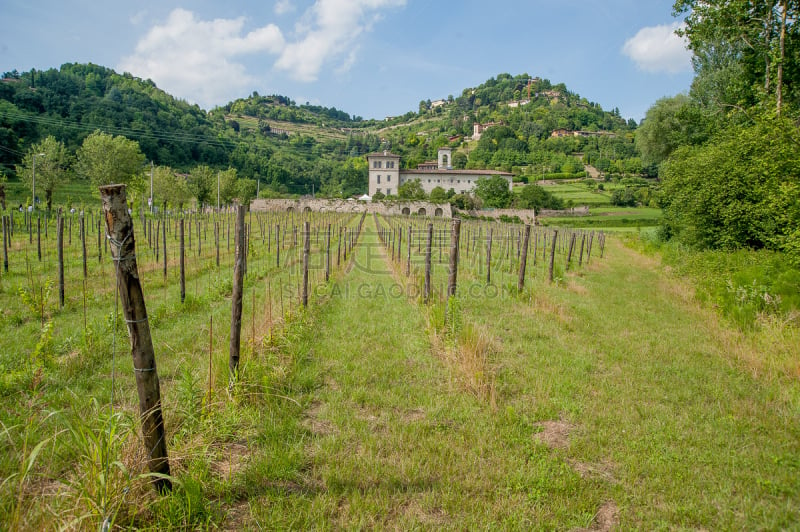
(290, 209)
(307, 209)
(422, 211)
(406, 211)
(438, 212)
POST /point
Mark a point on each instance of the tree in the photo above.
(536, 197)
(493, 191)
(170, 188)
(438, 195)
(105, 159)
(460, 160)
(668, 124)
(411, 190)
(52, 168)
(737, 190)
(228, 185)
(203, 185)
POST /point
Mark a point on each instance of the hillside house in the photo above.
(386, 177)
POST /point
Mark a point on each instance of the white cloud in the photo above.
(283, 6)
(658, 49)
(195, 59)
(327, 31)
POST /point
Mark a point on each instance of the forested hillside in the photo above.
(297, 149)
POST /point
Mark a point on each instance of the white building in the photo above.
(386, 177)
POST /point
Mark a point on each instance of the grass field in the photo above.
(608, 398)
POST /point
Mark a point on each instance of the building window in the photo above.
(388, 191)
(379, 180)
(378, 191)
(376, 164)
(389, 164)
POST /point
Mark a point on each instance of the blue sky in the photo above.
(371, 58)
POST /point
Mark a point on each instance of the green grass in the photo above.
(610, 397)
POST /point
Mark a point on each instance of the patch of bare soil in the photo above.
(231, 458)
(554, 434)
(606, 518)
(237, 517)
(596, 471)
(315, 424)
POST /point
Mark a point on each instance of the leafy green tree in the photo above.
(668, 124)
(52, 168)
(228, 185)
(737, 190)
(246, 191)
(438, 195)
(536, 197)
(493, 191)
(411, 190)
(170, 188)
(203, 185)
(460, 160)
(105, 159)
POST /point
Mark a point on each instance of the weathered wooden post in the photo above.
(182, 261)
(580, 255)
(123, 251)
(428, 263)
(164, 242)
(60, 247)
(408, 256)
(83, 246)
(523, 258)
(236, 299)
(39, 237)
(489, 257)
(552, 254)
(452, 278)
(328, 254)
(278, 246)
(571, 247)
(99, 241)
(5, 244)
(306, 254)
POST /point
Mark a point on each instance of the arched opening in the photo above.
(444, 160)
(422, 211)
(438, 212)
(307, 209)
(290, 209)
(406, 211)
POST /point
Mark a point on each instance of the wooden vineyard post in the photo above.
(452, 278)
(306, 253)
(99, 242)
(39, 237)
(5, 244)
(123, 251)
(523, 258)
(182, 261)
(83, 246)
(428, 264)
(408, 258)
(580, 256)
(328, 254)
(164, 241)
(278, 246)
(60, 246)
(238, 293)
(571, 247)
(489, 257)
(552, 255)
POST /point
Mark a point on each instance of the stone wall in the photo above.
(387, 208)
(574, 211)
(526, 215)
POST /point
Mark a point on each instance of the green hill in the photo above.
(294, 149)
